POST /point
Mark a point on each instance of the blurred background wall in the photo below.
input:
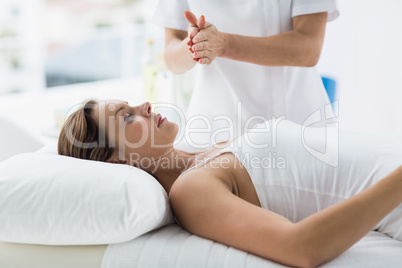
(363, 52)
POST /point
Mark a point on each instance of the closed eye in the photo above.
(128, 118)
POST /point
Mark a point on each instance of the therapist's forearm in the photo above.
(330, 232)
(177, 57)
(286, 49)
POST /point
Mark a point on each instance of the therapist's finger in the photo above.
(204, 60)
(201, 22)
(199, 46)
(199, 37)
(191, 18)
(193, 31)
(189, 42)
(200, 54)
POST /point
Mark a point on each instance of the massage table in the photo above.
(172, 246)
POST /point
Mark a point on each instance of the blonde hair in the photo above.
(79, 136)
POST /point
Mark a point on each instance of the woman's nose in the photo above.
(146, 109)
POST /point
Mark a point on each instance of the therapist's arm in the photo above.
(298, 47)
(177, 55)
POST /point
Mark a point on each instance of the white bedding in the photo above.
(172, 246)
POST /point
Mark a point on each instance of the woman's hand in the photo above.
(206, 42)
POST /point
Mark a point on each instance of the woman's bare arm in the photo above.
(207, 208)
(348, 221)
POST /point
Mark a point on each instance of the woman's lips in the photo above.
(159, 120)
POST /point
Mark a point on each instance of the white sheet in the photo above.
(172, 246)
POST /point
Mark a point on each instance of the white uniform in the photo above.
(264, 91)
(293, 181)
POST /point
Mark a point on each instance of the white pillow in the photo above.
(57, 200)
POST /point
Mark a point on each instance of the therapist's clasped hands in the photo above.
(206, 42)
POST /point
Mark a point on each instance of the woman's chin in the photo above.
(171, 132)
(176, 127)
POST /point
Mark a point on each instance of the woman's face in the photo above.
(134, 131)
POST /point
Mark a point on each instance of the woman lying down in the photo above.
(303, 210)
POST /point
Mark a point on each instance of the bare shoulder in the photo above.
(198, 181)
(191, 192)
(197, 184)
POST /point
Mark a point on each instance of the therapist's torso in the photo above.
(234, 96)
